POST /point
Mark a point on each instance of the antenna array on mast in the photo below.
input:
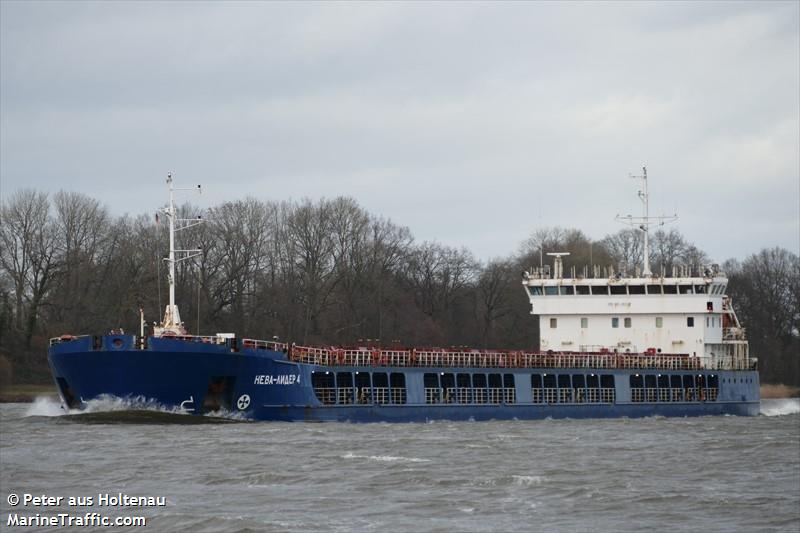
(644, 222)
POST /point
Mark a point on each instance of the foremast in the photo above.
(172, 324)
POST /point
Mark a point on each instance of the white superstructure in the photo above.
(690, 315)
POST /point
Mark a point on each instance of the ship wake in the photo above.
(780, 407)
(112, 409)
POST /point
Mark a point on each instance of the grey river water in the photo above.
(687, 474)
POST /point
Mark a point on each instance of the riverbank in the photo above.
(28, 393)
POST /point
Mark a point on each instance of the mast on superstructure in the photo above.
(644, 222)
(172, 318)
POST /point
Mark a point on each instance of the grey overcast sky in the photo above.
(472, 123)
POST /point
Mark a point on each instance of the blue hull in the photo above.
(263, 384)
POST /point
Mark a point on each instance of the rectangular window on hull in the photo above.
(479, 388)
(689, 321)
(430, 382)
(628, 322)
(380, 387)
(448, 387)
(363, 388)
(584, 322)
(536, 388)
(324, 387)
(509, 389)
(614, 322)
(495, 390)
(553, 323)
(659, 322)
(397, 387)
(464, 391)
(344, 388)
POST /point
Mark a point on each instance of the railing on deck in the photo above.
(674, 394)
(438, 358)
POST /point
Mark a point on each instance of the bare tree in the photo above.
(28, 255)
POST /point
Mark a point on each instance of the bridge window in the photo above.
(614, 322)
(535, 290)
(600, 289)
(567, 290)
(551, 290)
(700, 289)
(584, 322)
(670, 289)
(654, 289)
(628, 322)
(685, 289)
(582, 289)
(619, 289)
(553, 323)
(635, 289)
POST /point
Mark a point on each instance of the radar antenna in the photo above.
(558, 266)
(643, 223)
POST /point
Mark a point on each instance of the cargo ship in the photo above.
(613, 346)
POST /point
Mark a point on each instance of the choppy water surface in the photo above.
(712, 473)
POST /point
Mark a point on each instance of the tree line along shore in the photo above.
(326, 272)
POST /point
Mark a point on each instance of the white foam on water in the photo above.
(46, 406)
(108, 404)
(780, 407)
(527, 481)
(385, 458)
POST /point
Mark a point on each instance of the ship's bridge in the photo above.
(688, 315)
